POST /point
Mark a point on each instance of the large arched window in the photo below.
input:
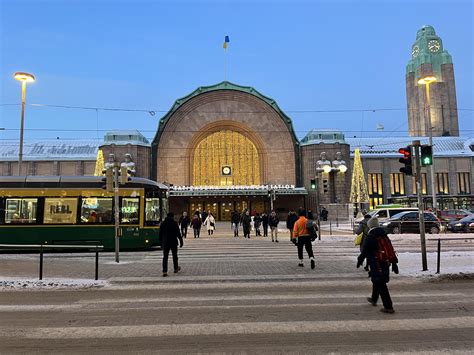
(226, 158)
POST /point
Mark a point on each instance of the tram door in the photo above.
(226, 209)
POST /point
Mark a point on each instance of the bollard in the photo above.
(330, 228)
(41, 263)
(439, 256)
(96, 263)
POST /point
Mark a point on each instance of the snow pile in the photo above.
(49, 284)
(452, 262)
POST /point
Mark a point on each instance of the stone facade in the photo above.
(140, 156)
(211, 111)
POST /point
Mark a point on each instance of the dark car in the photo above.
(455, 214)
(465, 225)
(408, 222)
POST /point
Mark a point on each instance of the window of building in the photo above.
(129, 210)
(60, 210)
(442, 184)
(397, 184)
(375, 189)
(96, 210)
(21, 210)
(464, 183)
(423, 184)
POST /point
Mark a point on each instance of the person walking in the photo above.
(364, 229)
(257, 220)
(273, 221)
(235, 220)
(246, 220)
(204, 215)
(379, 270)
(184, 222)
(324, 214)
(290, 222)
(265, 224)
(170, 235)
(210, 224)
(302, 238)
(196, 224)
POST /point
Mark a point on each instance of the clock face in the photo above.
(226, 170)
(415, 51)
(434, 45)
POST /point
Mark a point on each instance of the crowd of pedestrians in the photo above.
(375, 246)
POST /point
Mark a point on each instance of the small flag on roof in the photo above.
(226, 40)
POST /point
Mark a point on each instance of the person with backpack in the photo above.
(302, 238)
(379, 252)
(364, 229)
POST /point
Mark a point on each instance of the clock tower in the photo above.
(429, 58)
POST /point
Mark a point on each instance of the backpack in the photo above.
(385, 252)
(311, 229)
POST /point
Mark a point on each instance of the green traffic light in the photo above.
(426, 161)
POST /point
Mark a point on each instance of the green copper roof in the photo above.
(225, 85)
(428, 49)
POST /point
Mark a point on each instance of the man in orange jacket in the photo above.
(302, 238)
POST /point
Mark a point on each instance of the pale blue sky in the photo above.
(307, 55)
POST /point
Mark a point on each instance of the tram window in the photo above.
(152, 210)
(129, 210)
(21, 210)
(60, 210)
(96, 210)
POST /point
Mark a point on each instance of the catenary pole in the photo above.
(416, 147)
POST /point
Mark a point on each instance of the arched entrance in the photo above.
(226, 158)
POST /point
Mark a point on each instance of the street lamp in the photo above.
(427, 80)
(24, 78)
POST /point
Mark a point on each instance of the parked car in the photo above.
(454, 214)
(384, 213)
(465, 224)
(408, 222)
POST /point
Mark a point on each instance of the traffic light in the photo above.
(406, 160)
(426, 155)
(325, 186)
(124, 175)
(313, 184)
(108, 179)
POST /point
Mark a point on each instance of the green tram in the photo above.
(77, 210)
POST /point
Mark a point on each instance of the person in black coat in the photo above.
(246, 224)
(235, 220)
(184, 222)
(379, 271)
(265, 224)
(290, 222)
(170, 235)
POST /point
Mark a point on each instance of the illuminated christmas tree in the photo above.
(359, 192)
(99, 164)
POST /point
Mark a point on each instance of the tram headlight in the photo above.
(146, 241)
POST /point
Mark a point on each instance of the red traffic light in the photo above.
(406, 160)
(405, 151)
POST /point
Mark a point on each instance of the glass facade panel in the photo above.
(375, 188)
(60, 210)
(96, 210)
(21, 210)
(423, 184)
(442, 184)
(397, 184)
(464, 183)
(230, 150)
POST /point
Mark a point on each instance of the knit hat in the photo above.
(373, 223)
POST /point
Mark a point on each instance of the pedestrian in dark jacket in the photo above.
(184, 222)
(235, 221)
(265, 224)
(246, 224)
(257, 220)
(169, 237)
(379, 271)
(196, 224)
(290, 222)
(273, 223)
(364, 229)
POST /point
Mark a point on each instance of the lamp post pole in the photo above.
(427, 81)
(24, 78)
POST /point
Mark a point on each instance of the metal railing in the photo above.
(438, 265)
(42, 247)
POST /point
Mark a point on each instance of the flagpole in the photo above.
(225, 64)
